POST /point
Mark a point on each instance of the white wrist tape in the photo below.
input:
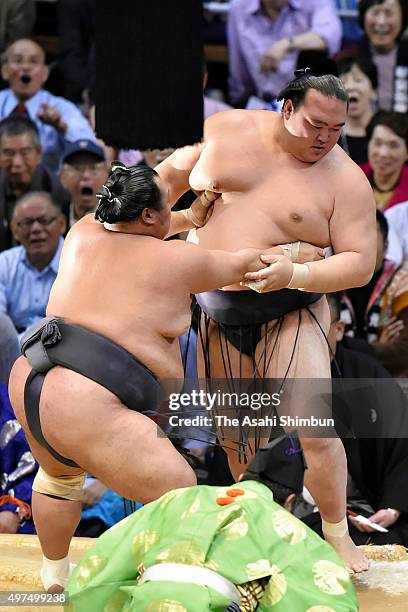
(56, 572)
(206, 199)
(291, 250)
(299, 278)
(336, 530)
(191, 218)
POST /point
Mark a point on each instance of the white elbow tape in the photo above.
(65, 487)
(55, 572)
(299, 278)
(335, 530)
(291, 250)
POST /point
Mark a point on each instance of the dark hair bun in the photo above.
(109, 206)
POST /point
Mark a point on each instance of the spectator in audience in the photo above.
(28, 271)
(384, 22)
(22, 170)
(17, 19)
(386, 170)
(18, 468)
(372, 420)
(360, 80)
(101, 508)
(57, 119)
(265, 38)
(84, 170)
(397, 218)
(378, 312)
(76, 55)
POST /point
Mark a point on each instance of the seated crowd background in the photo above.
(52, 165)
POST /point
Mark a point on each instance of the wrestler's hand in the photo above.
(275, 276)
(52, 116)
(309, 252)
(272, 58)
(202, 208)
(9, 521)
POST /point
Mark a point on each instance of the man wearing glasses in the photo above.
(84, 170)
(22, 170)
(28, 271)
(58, 120)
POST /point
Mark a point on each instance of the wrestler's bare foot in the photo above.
(355, 560)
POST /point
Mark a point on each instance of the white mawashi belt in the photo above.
(179, 572)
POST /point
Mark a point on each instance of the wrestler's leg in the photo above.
(326, 476)
(86, 423)
(228, 362)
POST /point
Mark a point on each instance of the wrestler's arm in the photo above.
(175, 170)
(203, 270)
(353, 238)
(195, 216)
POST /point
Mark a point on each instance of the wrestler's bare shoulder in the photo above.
(246, 123)
(342, 168)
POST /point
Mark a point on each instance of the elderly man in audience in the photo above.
(18, 468)
(58, 120)
(22, 170)
(28, 271)
(378, 311)
(84, 170)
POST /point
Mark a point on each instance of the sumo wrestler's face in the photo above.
(316, 124)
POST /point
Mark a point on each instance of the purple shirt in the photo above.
(251, 34)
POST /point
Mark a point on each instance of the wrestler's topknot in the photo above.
(127, 191)
(327, 84)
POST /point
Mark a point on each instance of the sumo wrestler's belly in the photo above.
(244, 221)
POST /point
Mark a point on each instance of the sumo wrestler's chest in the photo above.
(297, 203)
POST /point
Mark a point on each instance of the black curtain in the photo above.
(149, 73)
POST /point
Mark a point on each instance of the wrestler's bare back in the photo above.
(122, 287)
(267, 196)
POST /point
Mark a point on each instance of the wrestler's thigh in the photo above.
(19, 374)
(122, 448)
(310, 357)
(300, 363)
(225, 360)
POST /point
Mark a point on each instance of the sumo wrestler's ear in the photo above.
(288, 109)
(149, 216)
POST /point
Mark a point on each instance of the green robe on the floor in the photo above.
(249, 538)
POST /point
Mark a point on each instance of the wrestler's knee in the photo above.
(69, 487)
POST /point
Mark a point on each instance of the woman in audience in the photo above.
(359, 76)
(387, 134)
(384, 22)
